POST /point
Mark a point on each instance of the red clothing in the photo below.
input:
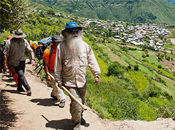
(51, 60)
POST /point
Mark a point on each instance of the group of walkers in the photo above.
(66, 60)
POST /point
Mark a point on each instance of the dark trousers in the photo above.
(1, 63)
(21, 78)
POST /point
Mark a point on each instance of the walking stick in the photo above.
(37, 66)
(83, 106)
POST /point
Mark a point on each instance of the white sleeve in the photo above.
(92, 62)
(28, 45)
(58, 65)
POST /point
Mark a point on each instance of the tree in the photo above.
(13, 13)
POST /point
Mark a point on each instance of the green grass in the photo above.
(147, 71)
(113, 99)
(136, 54)
(158, 101)
(168, 46)
(114, 57)
(138, 79)
(164, 72)
(169, 89)
(146, 112)
(152, 59)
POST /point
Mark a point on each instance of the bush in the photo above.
(129, 67)
(115, 69)
(136, 67)
(168, 58)
(159, 66)
(151, 91)
(144, 56)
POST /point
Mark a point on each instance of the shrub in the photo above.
(136, 67)
(151, 91)
(168, 58)
(159, 66)
(129, 67)
(115, 69)
(144, 56)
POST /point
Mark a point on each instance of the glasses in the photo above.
(72, 31)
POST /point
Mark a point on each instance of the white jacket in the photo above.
(70, 70)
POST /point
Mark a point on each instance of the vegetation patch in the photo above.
(138, 79)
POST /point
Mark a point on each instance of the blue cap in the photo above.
(70, 25)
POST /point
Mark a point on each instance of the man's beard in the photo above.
(74, 44)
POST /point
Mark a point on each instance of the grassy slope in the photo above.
(152, 63)
(114, 97)
(139, 82)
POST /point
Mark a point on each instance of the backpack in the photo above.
(42, 45)
(33, 44)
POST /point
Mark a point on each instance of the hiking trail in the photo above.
(41, 112)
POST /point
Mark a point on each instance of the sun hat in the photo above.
(18, 34)
(71, 25)
(56, 38)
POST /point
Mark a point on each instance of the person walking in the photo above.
(2, 53)
(73, 56)
(49, 62)
(1, 59)
(15, 58)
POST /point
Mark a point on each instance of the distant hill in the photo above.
(136, 11)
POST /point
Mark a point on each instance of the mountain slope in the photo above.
(141, 11)
(47, 115)
(137, 88)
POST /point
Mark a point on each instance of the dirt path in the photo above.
(40, 112)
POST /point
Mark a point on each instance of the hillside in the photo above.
(137, 81)
(40, 112)
(135, 11)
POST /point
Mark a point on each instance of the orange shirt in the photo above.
(51, 61)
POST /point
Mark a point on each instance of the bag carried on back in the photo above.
(42, 45)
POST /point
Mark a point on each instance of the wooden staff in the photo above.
(70, 94)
